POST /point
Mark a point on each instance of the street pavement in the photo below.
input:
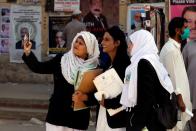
(32, 125)
(16, 125)
(26, 91)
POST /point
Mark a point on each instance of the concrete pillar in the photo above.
(123, 14)
(167, 15)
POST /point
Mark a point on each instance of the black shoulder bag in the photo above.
(167, 111)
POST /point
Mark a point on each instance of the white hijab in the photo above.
(70, 64)
(144, 47)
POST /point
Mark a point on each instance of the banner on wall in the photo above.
(57, 44)
(25, 19)
(28, 2)
(4, 30)
(135, 11)
(66, 5)
(147, 16)
(186, 9)
(138, 11)
(177, 7)
(182, 2)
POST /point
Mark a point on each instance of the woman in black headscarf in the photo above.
(114, 44)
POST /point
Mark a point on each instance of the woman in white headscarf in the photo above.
(82, 57)
(143, 77)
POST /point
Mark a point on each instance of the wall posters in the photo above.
(28, 2)
(186, 9)
(56, 40)
(149, 16)
(135, 9)
(177, 6)
(110, 9)
(66, 5)
(25, 19)
(4, 30)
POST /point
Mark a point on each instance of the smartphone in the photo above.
(25, 37)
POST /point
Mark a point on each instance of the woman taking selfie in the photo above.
(82, 57)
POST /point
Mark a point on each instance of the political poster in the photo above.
(4, 29)
(66, 5)
(149, 16)
(25, 20)
(57, 44)
(186, 9)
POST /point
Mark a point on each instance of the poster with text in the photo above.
(177, 7)
(186, 9)
(28, 2)
(138, 18)
(57, 44)
(4, 29)
(136, 12)
(66, 5)
(25, 20)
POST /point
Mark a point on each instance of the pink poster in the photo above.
(176, 10)
(186, 9)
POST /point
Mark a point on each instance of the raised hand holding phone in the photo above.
(27, 45)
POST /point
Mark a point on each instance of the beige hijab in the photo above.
(70, 64)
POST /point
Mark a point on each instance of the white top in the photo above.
(172, 59)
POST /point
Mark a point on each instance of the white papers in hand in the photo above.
(109, 84)
(115, 111)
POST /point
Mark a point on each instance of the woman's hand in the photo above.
(181, 104)
(78, 96)
(27, 45)
(102, 100)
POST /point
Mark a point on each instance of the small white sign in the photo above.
(66, 5)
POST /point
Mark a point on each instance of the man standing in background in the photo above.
(73, 27)
(172, 59)
(189, 56)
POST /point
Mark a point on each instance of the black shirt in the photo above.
(60, 111)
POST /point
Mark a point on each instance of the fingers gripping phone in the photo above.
(26, 39)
